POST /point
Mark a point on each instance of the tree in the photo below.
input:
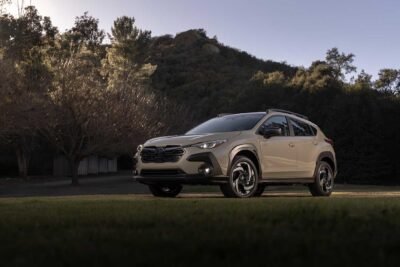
(125, 33)
(388, 81)
(272, 78)
(83, 117)
(86, 32)
(21, 106)
(124, 62)
(75, 111)
(128, 73)
(363, 81)
(319, 76)
(94, 108)
(3, 3)
(340, 62)
(76, 106)
(23, 41)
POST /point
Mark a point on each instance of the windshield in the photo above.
(228, 123)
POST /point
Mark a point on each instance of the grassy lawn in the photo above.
(145, 231)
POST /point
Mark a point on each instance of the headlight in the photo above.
(209, 145)
(139, 148)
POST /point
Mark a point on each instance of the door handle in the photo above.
(291, 144)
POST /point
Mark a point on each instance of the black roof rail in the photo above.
(286, 111)
(224, 114)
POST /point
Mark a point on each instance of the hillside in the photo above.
(203, 73)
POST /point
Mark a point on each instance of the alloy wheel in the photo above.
(243, 178)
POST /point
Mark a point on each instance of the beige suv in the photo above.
(242, 153)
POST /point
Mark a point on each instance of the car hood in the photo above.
(183, 140)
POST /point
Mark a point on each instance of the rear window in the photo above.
(301, 128)
(228, 123)
(314, 130)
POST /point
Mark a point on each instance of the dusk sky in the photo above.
(294, 31)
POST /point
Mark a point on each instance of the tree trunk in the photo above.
(23, 162)
(74, 164)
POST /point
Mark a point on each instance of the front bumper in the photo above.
(184, 179)
(188, 170)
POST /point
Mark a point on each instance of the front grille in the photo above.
(162, 173)
(161, 154)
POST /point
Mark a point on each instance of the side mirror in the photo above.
(271, 131)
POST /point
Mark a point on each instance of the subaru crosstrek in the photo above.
(242, 153)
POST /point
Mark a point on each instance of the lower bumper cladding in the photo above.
(209, 172)
(192, 179)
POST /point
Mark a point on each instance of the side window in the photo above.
(301, 128)
(314, 130)
(278, 121)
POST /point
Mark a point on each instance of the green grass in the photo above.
(140, 231)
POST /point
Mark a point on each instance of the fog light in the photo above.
(206, 170)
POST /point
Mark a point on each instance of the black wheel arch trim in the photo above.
(328, 154)
(245, 147)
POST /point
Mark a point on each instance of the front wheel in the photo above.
(243, 179)
(165, 190)
(323, 180)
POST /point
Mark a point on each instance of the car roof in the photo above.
(273, 111)
(264, 113)
(241, 114)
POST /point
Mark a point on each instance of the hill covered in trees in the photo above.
(203, 73)
(72, 84)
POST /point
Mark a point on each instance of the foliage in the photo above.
(363, 81)
(389, 80)
(3, 3)
(70, 85)
(24, 41)
(86, 32)
(206, 82)
(340, 62)
(123, 64)
(100, 102)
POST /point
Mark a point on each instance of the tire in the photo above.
(323, 180)
(243, 179)
(225, 191)
(165, 190)
(260, 190)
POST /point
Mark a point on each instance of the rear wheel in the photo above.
(323, 180)
(243, 179)
(165, 190)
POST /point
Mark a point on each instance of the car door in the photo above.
(305, 141)
(278, 154)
